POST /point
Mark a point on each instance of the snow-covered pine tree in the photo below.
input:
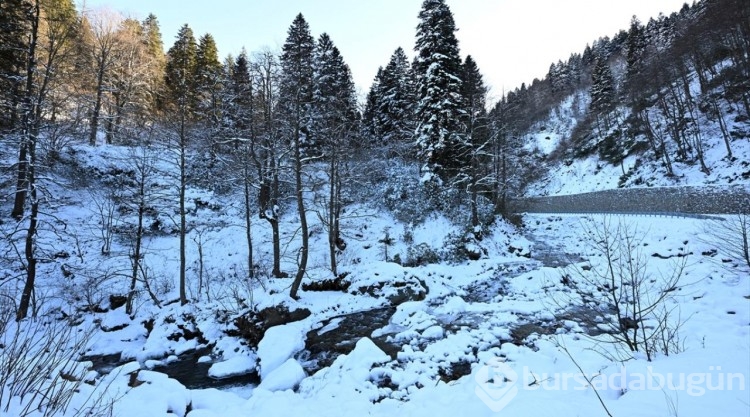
(603, 96)
(14, 22)
(154, 78)
(476, 125)
(396, 105)
(180, 70)
(180, 81)
(635, 50)
(209, 78)
(440, 139)
(370, 116)
(295, 100)
(240, 97)
(334, 124)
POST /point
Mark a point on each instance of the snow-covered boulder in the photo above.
(287, 376)
(279, 344)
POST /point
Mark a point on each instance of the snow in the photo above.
(287, 376)
(238, 365)
(279, 344)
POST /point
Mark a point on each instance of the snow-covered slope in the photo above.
(571, 171)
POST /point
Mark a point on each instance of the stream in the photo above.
(186, 369)
(338, 335)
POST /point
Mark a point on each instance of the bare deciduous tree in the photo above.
(619, 286)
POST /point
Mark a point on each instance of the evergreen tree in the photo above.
(180, 72)
(636, 50)
(334, 123)
(476, 127)
(295, 99)
(602, 88)
(396, 104)
(156, 63)
(14, 24)
(152, 36)
(371, 123)
(180, 82)
(241, 96)
(439, 138)
(209, 76)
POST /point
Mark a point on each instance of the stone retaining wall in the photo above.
(667, 200)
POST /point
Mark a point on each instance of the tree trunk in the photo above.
(97, 107)
(26, 171)
(302, 265)
(183, 219)
(724, 131)
(29, 120)
(332, 229)
(248, 222)
(19, 202)
(137, 246)
(30, 241)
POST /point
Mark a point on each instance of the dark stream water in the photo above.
(186, 369)
(340, 334)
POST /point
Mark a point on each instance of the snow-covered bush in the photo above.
(460, 247)
(420, 255)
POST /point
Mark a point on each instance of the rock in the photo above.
(253, 325)
(279, 344)
(287, 376)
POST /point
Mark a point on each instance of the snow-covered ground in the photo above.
(499, 334)
(708, 376)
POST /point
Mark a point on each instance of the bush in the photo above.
(40, 373)
(460, 247)
(421, 255)
(731, 236)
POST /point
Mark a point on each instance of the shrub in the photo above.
(420, 255)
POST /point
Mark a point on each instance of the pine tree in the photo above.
(241, 97)
(476, 127)
(636, 50)
(180, 82)
(396, 104)
(439, 137)
(152, 36)
(209, 74)
(602, 88)
(334, 124)
(371, 123)
(295, 99)
(14, 24)
(156, 62)
(180, 72)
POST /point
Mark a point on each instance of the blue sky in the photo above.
(513, 41)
